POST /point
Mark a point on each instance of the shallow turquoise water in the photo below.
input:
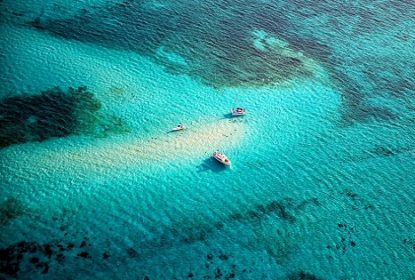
(322, 177)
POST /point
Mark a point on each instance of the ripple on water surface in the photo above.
(315, 177)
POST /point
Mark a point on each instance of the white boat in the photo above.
(238, 111)
(179, 127)
(222, 158)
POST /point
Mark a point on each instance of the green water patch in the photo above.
(219, 50)
(54, 113)
(11, 209)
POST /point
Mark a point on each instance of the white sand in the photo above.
(197, 141)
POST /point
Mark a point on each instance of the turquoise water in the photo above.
(95, 186)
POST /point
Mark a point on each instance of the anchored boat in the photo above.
(222, 158)
(238, 111)
(179, 127)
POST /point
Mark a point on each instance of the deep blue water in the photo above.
(95, 186)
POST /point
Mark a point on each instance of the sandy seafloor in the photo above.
(319, 188)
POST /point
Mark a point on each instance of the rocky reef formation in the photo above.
(52, 113)
(178, 38)
(10, 209)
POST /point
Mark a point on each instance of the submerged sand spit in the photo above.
(183, 145)
(198, 140)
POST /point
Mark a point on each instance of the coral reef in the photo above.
(10, 209)
(54, 113)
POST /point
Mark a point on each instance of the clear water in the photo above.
(321, 185)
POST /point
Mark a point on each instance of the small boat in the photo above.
(222, 158)
(179, 127)
(238, 112)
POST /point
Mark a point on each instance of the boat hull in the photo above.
(178, 128)
(221, 158)
(237, 113)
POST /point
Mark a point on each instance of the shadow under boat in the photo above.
(235, 113)
(210, 164)
(228, 116)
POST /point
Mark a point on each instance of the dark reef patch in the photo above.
(53, 113)
(10, 209)
(190, 232)
(349, 193)
(346, 241)
(381, 75)
(34, 260)
(282, 209)
(302, 275)
(83, 243)
(213, 42)
(364, 113)
(12, 256)
(312, 201)
(84, 255)
(219, 265)
(183, 38)
(196, 234)
(383, 151)
(357, 203)
(60, 257)
(387, 151)
(132, 253)
(36, 256)
(409, 243)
